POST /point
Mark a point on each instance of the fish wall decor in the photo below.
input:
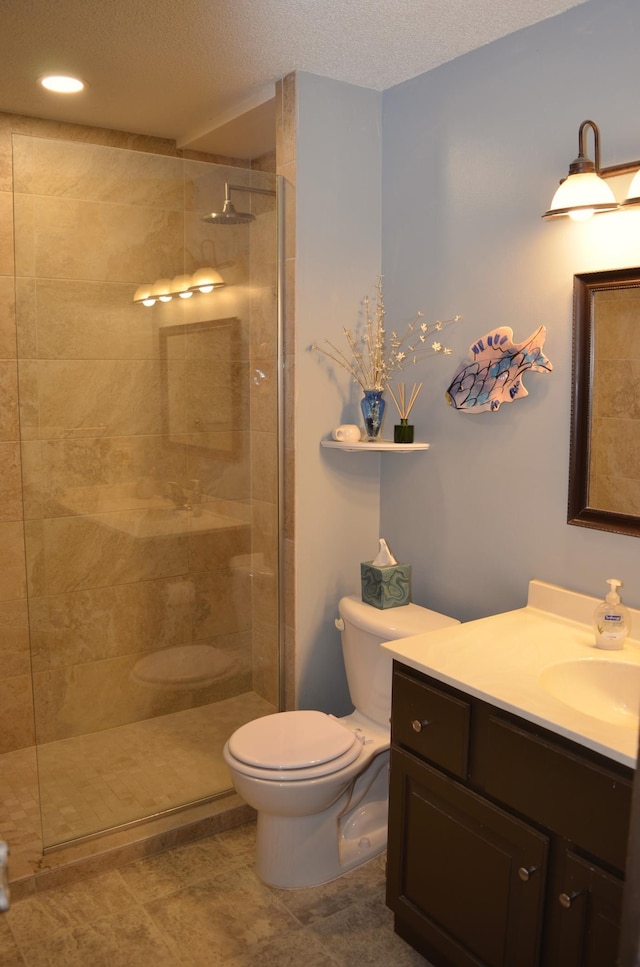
(494, 374)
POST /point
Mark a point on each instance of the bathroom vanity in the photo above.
(509, 803)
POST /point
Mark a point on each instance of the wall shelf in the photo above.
(384, 446)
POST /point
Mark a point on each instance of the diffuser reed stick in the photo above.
(404, 405)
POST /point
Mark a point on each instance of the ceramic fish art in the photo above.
(494, 375)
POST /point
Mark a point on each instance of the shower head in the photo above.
(229, 215)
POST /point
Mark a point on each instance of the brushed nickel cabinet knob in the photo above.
(526, 872)
(566, 899)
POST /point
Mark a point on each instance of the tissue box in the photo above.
(385, 587)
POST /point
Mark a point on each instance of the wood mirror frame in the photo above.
(583, 505)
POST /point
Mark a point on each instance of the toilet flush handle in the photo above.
(339, 623)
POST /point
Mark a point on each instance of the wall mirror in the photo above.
(604, 465)
(204, 392)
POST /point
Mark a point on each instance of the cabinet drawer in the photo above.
(431, 723)
(564, 793)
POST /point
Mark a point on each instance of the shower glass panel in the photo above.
(149, 445)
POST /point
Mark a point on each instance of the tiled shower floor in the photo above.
(105, 779)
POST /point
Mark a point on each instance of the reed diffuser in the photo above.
(403, 432)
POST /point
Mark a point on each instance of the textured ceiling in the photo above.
(184, 69)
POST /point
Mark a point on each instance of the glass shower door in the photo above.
(149, 445)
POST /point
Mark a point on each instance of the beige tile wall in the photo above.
(93, 391)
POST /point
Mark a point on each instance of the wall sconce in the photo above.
(183, 286)
(584, 192)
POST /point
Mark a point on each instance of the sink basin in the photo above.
(606, 690)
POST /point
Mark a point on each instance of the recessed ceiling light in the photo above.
(61, 84)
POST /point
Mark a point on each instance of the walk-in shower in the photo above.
(150, 456)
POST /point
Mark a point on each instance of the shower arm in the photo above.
(258, 191)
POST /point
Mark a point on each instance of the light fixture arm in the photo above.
(582, 163)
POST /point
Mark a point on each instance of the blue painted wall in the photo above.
(471, 155)
(338, 252)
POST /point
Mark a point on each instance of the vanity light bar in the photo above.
(584, 192)
(163, 290)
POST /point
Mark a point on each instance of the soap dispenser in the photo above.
(611, 620)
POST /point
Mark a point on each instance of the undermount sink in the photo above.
(606, 690)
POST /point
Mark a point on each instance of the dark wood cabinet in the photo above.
(589, 907)
(506, 843)
(470, 877)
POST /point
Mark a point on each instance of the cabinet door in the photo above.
(587, 909)
(465, 879)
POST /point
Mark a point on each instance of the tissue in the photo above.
(384, 557)
(385, 583)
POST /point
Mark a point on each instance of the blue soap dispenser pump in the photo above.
(611, 620)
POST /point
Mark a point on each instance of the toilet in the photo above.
(320, 784)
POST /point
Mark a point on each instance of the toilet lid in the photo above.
(292, 740)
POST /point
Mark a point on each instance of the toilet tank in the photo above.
(368, 666)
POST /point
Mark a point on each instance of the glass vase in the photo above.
(403, 432)
(372, 406)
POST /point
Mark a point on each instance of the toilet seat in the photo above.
(293, 746)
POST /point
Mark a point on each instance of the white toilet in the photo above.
(318, 783)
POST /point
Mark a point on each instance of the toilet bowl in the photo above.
(319, 784)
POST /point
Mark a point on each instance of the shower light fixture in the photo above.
(183, 286)
(584, 192)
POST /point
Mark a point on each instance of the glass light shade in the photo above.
(61, 84)
(633, 195)
(206, 279)
(581, 195)
(161, 289)
(143, 294)
(180, 286)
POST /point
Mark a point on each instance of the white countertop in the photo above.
(500, 659)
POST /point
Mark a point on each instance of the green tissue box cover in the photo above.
(385, 587)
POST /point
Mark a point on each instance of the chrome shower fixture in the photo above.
(229, 215)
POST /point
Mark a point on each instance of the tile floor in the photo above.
(201, 905)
